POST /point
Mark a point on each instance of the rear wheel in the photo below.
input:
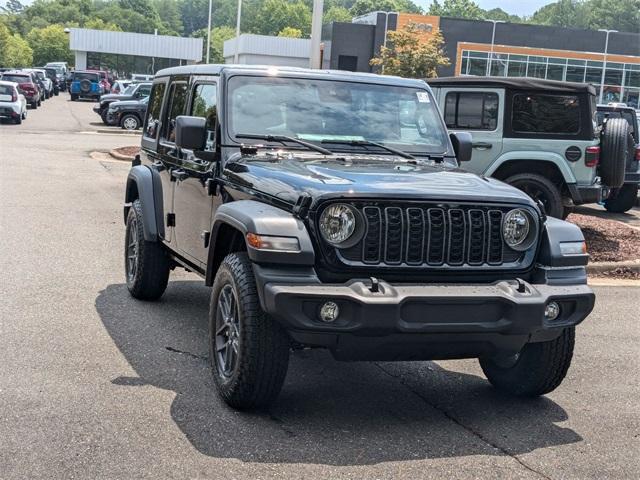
(146, 263)
(34, 104)
(74, 97)
(537, 369)
(18, 119)
(40, 102)
(542, 189)
(248, 350)
(623, 200)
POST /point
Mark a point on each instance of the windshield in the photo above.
(129, 90)
(40, 75)
(85, 76)
(325, 110)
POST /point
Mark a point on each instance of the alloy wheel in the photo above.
(227, 338)
(132, 251)
(130, 123)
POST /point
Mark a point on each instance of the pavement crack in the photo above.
(469, 429)
(189, 354)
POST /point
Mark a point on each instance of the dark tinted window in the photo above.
(93, 77)
(144, 90)
(16, 78)
(546, 114)
(6, 90)
(471, 110)
(205, 105)
(177, 100)
(153, 110)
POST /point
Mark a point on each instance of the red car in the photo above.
(104, 79)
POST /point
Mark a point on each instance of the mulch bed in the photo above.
(608, 240)
(129, 151)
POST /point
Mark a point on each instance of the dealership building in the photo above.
(517, 50)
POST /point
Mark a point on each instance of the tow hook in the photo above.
(375, 285)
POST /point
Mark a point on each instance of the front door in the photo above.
(481, 113)
(194, 201)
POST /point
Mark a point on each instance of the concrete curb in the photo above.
(601, 267)
(119, 132)
(120, 156)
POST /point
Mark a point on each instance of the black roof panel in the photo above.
(513, 83)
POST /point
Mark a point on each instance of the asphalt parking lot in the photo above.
(94, 384)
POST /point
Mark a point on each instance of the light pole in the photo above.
(316, 34)
(493, 39)
(235, 57)
(209, 32)
(604, 66)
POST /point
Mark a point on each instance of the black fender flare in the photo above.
(250, 216)
(145, 185)
(555, 232)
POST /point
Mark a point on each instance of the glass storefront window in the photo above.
(477, 66)
(555, 72)
(498, 65)
(517, 69)
(575, 73)
(537, 70)
(594, 75)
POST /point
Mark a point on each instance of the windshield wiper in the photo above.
(283, 139)
(366, 143)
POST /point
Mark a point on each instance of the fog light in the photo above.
(329, 312)
(551, 311)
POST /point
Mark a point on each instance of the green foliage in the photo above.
(408, 56)
(290, 32)
(499, 14)
(336, 13)
(16, 52)
(49, 44)
(360, 7)
(458, 9)
(12, 7)
(99, 24)
(218, 36)
(275, 15)
(623, 15)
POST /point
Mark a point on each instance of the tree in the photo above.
(13, 7)
(499, 14)
(218, 36)
(274, 15)
(49, 44)
(336, 13)
(408, 56)
(360, 7)
(5, 34)
(290, 32)
(169, 14)
(457, 9)
(623, 15)
(563, 13)
(99, 24)
(17, 52)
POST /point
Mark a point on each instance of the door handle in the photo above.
(482, 145)
(179, 174)
(157, 164)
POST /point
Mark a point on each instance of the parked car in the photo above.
(322, 220)
(26, 86)
(61, 69)
(42, 78)
(42, 88)
(624, 198)
(13, 104)
(538, 135)
(128, 114)
(119, 86)
(51, 74)
(85, 84)
(104, 79)
(140, 77)
(135, 91)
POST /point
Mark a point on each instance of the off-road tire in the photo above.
(624, 199)
(539, 368)
(104, 116)
(614, 151)
(548, 193)
(74, 97)
(263, 347)
(152, 265)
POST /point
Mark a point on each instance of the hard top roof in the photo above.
(216, 69)
(513, 83)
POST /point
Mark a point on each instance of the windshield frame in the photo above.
(444, 151)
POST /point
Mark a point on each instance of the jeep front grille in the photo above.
(431, 235)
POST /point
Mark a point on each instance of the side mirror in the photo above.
(461, 142)
(191, 132)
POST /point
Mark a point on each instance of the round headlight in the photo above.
(337, 223)
(518, 229)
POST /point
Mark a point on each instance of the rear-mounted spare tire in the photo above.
(614, 151)
(85, 86)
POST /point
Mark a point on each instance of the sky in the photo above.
(517, 7)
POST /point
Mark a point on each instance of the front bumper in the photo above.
(97, 109)
(425, 321)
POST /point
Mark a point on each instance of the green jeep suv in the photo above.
(538, 135)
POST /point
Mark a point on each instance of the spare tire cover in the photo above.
(85, 85)
(614, 151)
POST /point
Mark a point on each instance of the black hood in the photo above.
(289, 175)
(114, 97)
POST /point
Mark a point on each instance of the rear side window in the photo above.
(204, 105)
(546, 114)
(177, 101)
(6, 93)
(153, 110)
(471, 110)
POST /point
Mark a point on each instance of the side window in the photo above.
(546, 114)
(205, 105)
(471, 110)
(153, 111)
(144, 91)
(177, 100)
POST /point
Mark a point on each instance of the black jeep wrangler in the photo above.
(327, 209)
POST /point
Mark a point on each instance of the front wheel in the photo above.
(248, 350)
(540, 188)
(537, 369)
(146, 263)
(74, 97)
(623, 200)
(130, 122)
